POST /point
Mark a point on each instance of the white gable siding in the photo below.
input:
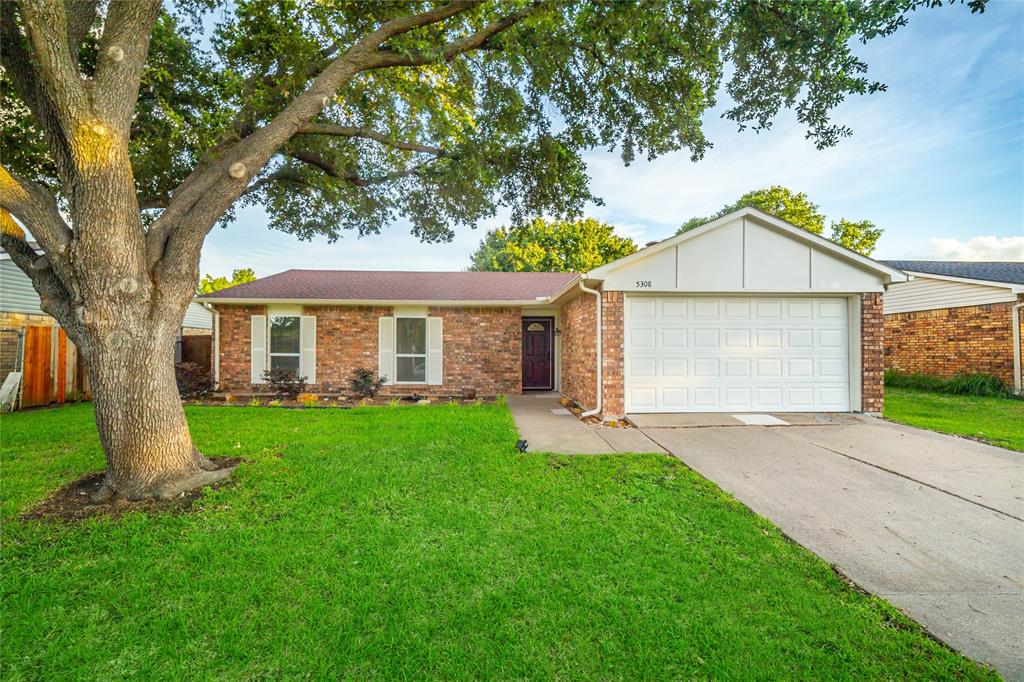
(925, 293)
(16, 292)
(743, 256)
(198, 317)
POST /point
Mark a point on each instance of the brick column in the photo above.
(872, 338)
(612, 347)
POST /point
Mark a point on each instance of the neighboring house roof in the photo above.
(891, 274)
(1007, 272)
(365, 285)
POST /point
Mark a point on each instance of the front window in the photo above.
(284, 343)
(411, 350)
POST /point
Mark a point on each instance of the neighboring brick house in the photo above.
(956, 316)
(745, 313)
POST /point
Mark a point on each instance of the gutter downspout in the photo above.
(1015, 320)
(600, 383)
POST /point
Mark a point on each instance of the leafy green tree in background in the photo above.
(210, 284)
(857, 235)
(797, 209)
(128, 134)
(551, 246)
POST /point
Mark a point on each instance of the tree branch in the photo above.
(330, 169)
(53, 295)
(122, 56)
(367, 133)
(36, 208)
(46, 25)
(81, 16)
(478, 40)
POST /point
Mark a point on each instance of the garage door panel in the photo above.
(696, 354)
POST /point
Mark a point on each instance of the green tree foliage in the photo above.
(857, 235)
(551, 246)
(456, 117)
(210, 284)
(797, 209)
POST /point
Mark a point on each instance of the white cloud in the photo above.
(978, 249)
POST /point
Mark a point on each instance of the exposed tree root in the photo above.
(92, 496)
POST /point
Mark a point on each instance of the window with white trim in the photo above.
(285, 344)
(411, 350)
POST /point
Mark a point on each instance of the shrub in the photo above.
(255, 402)
(365, 382)
(274, 403)
(977, 383)
(193, 381)
(308, 399)
(284, 382)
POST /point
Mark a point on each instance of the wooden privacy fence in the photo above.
(48, 362)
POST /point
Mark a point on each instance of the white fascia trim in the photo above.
(1014, 288)
(379, 302)
(892, 274)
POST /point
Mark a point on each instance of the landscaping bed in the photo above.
(417, 543)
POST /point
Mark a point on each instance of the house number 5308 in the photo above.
(643, 284)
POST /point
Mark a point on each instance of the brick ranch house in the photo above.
(956, 317)
(745, 313)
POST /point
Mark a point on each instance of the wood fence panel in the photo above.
(197, 349)
(62, 364)
(37, 379)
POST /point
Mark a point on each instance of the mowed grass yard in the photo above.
(997, 421)
(415, 542)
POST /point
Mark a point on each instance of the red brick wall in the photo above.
(613, 349)
(579, 350)
(234, 347)
(482, 348)
(950, 340)
(872, 332)
(346, 339)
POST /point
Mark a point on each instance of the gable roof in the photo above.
(383, 286)
(891, 274)
(1007, 272)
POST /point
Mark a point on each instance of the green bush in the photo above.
(976, 383)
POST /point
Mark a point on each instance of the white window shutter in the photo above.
(258, 341)
(307, 348)
(435, 355)
(386, 348)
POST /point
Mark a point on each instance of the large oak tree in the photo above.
(130, 129)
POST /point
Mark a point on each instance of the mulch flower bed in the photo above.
(313, 401)
(73, 501)
(577, 410)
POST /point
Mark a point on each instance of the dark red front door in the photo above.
(538, 353)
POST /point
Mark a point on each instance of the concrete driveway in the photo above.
(932, 523)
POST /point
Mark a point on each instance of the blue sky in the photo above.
(937, 160)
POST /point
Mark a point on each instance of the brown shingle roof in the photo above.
(368, 285)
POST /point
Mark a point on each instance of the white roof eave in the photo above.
(891, 274)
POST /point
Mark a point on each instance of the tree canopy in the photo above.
(446, 139)
(209, 284)
(551, 246)
(797, 209)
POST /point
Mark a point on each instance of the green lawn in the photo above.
(415, 543)
(999, 421)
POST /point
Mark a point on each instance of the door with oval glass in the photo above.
(538, 353)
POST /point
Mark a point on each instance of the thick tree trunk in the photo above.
(141, 421)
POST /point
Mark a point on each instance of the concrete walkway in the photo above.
(932, 523)
(549, 427)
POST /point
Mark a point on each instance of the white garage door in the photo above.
(708, 354)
